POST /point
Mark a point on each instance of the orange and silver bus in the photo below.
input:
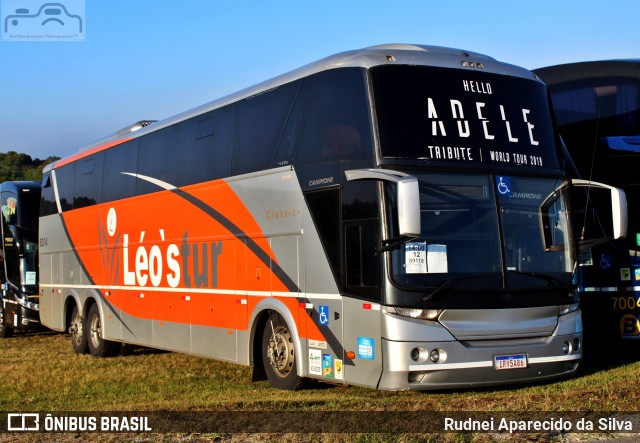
(19, 257)
(395, 217)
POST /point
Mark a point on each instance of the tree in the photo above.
(15, 166)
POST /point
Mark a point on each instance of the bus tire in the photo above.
(278, 354)
(98, 346)
(5, 331)
(78, 334)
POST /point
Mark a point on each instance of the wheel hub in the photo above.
(280, 351)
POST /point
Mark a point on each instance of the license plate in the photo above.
(503, 362)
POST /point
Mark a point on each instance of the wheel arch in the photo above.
(258, 321)
(74, 299)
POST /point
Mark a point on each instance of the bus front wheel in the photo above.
(278, 354)
(98, 346)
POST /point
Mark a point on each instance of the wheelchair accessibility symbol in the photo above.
(605, 261)
(503, 184)
(324, 315)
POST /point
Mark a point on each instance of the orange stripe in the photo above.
(87, 153)
(210, 257)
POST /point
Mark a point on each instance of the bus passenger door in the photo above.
(323, 318)
(324, 324)
(361, 304)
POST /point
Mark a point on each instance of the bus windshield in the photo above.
(463, 117)
(29, 209)
(599, 120)
(478, 228)
(612, 103)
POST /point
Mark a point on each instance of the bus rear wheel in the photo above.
(278, 354)
(98, 346)
(77, 332)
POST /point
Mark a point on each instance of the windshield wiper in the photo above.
(446, 285)
(556, 282)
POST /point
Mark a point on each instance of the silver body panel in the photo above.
(381, 342)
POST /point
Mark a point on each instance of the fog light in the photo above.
(566, 347)
(576, 345)
(419, 354)
(416, 377)
(434, 356)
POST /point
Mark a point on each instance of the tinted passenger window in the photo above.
(258, 125)
(10, 207)
(47, 203)
(337, 126)
(361, 236)
(88, 181)
(362, 263)
(325, 210)
(65, 180)
(117, 160)
(206, 147)
(158, 158)
(291, 135)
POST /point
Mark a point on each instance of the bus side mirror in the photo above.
(599, 212)
(408, 196)
(409, 207)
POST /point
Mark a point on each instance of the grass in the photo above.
(41, 373)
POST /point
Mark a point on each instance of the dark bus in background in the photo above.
(19, 309)
(597, 107)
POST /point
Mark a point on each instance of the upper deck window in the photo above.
(337, 125)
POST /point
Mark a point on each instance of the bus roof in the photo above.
(401, 54)
(553, 75)
(17, 186)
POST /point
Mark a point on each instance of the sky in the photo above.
(152, 59)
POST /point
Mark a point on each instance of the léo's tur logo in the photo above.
(109, 243)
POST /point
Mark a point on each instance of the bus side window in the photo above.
(9, 207)
(338, 126)
(325, 209)
(88, 180)
(65, 180)
(362, 267)
(295, 123)
(361, 228)
(205, 148)
(258, 125)
(158, 157)
(117, 160)
(47, 204)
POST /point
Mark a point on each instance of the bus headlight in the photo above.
(28, 304)
(566, 309)
(422, 314)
